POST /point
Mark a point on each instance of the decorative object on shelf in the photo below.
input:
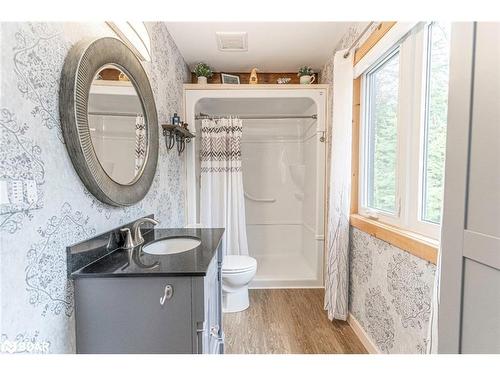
(177, 134)
(230, 79)
(253, 77)
(203, 71)
(176, 119)
(306, 75)
(123, 77)
(283, 81)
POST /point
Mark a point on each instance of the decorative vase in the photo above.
(253, 80)
(202, 80)
(306, 80)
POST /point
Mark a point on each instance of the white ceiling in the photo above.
(272, 46)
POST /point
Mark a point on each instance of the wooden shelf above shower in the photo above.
(263, 86)
(264, 78)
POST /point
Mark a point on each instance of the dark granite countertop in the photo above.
(137, 263)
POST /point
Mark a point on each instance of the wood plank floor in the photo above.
(282, 321)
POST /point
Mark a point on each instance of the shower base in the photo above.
(284, 271)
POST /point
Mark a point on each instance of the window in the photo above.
(403, 135)
(436, 111)
(381, 148)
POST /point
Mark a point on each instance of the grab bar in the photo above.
(252, 198)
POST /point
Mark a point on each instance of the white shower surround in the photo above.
(287, 236)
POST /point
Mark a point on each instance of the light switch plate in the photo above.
(30, 191)
(18, 195)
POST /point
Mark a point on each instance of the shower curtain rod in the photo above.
(203, 116)
(114, 114)
(355, 43)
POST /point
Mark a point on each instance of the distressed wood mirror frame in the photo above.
(84, 60)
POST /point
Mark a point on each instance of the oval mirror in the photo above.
(109, 120)
(117, 125)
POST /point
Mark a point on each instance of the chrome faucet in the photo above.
(136, 228)
(131, 241)
(128, 241)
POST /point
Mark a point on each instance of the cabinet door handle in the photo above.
(214, 331)
(167, 294)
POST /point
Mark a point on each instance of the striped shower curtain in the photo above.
(140, 142)
(222, 201)
(339, 203)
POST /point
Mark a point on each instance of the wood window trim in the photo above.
(372, 40)
(420, 246)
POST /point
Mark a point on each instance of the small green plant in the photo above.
(305, 71)
(203, 70)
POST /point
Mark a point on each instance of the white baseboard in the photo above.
(363, 337)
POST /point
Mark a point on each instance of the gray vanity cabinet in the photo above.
(126, 314)
(209, 315)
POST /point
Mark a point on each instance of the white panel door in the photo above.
(469, 316)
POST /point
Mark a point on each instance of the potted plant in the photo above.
(306, 75)
(202, 71)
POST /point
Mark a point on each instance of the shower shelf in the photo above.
(176, 133)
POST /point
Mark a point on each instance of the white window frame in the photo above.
(364, 210)
(413, 67)
(421, 71)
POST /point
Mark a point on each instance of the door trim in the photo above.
(455, 189)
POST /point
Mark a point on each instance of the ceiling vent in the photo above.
(232, 42)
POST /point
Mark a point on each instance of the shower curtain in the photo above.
(432, 330)
(222, 201)
(339, 203)
(140, 141)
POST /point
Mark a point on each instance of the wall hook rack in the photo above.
(176, 134)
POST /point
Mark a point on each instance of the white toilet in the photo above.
(237, 272)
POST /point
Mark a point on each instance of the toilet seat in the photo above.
(238, 264)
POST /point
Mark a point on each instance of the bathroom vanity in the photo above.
(136, 290)
(130, 301)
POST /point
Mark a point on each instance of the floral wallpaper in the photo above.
(390, 294)
(36, 297)
(390, 290)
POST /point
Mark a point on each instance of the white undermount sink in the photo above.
(171, 245)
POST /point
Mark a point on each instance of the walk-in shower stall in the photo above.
(283, 162)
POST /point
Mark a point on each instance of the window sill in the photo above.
(423, 247)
